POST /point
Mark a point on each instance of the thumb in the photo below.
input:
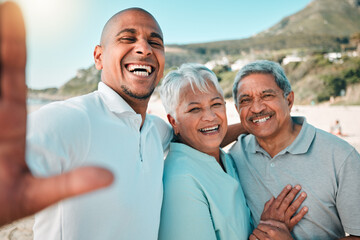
(42, 192)
(268, 203)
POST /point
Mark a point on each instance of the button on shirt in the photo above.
(100, 129)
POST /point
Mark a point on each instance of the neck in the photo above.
(274, 144)
(138, 105)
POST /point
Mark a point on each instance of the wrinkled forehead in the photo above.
(257, 83)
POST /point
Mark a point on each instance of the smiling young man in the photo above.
(108, 128)
(281, 150)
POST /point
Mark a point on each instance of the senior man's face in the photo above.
(201, 119)
(262, 107)
(131, 55)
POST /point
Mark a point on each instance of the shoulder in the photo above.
(158, 122)
(243, 141)
(163, 128)
(63, 117)
(331, 142)
(179, 165)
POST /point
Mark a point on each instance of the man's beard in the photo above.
(145, 96)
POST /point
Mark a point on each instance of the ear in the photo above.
(173, 123)
(290, 99)
(98, 57)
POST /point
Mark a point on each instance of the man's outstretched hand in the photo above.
(21, 194)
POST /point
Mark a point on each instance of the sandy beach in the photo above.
(320, 116)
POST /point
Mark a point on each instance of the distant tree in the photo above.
(219, 69)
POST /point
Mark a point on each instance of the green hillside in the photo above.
(322, 27)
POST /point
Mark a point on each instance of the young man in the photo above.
(108, 128)
(281, 149)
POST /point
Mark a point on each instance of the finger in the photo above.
(296, 219)
(253, 237)
(41, 192)
(295, 205)
(259, 234)
(12, 53)
(268, 204)
(289, 198)
(282, 195)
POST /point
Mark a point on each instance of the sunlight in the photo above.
(50, 18)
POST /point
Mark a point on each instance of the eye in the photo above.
(128, 39)
(267, 96)
(156, 44)
(218, 104)
(194, 110)
(245, 100)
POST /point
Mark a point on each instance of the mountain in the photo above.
(323, 26)
(338, 18)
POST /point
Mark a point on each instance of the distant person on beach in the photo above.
(21, 194)
(336, 128)
(203, 198)
(281, 149)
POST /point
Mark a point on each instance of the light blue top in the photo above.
(100, 129)
(201, 201)
(325, 166)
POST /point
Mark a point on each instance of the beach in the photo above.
(321, 116)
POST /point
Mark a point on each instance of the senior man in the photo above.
(282, 149)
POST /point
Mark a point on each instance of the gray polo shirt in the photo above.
(324, 165)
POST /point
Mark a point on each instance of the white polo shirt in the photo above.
(100, 129)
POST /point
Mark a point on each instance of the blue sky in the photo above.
(62, 34)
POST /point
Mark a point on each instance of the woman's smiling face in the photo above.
(201, 119)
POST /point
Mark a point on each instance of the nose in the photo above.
(143, 48)
(208, 115)
(257, 106)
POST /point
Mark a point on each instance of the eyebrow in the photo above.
(127, 30)
(192, 103)
(269, 91)
(156, 35)
(243, 95)
(133, 31)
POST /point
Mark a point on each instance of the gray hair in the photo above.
(197, 75)
(264, 67)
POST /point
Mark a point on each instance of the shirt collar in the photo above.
(300, 145)
(113, 100)
(303, 141)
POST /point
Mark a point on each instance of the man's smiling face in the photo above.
(263, 109)
(131, 55)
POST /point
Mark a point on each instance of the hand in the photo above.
(21, 194)
(271, 230)
(283, 207)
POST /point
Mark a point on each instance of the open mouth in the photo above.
(261, 120)
(140, 70)
(210, 129)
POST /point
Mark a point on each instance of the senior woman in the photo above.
(202, 195)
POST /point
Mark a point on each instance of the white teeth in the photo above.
(133, 67)
(144, 74)
(261, 120)
(209, 129)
